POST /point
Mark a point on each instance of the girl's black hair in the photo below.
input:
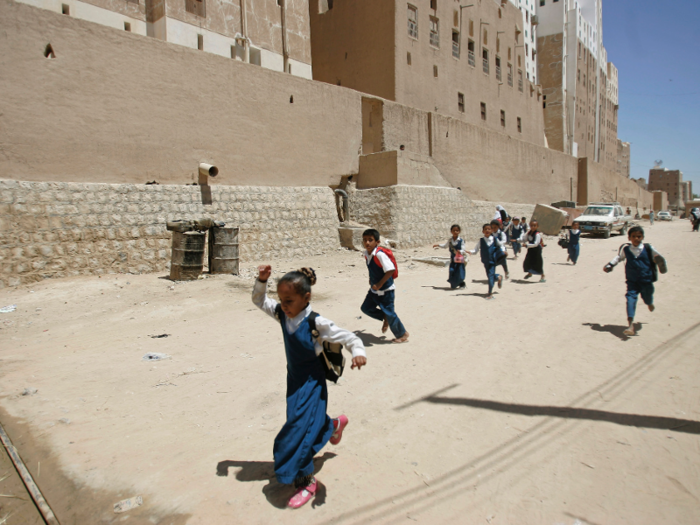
(371, 233)
(302, 280)
(495, 223)
(455, 226)
(485, 225)
(635, 229)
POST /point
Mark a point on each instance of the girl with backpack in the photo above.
(308, 428)
(642, 264)
(457, 259)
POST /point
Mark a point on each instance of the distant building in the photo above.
(622, 164)
(670, 181)
(641, 182)
(273, 34)
(467, 62)
(686, 191)
(660, 200)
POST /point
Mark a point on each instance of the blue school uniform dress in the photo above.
(640, 278)
(308, 428)
(574, 246)
(489, 256)
(515, 234)
(379, 304)
(457, 273)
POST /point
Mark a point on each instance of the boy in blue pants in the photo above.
(641, 262)
(491, 250)
(379, 303)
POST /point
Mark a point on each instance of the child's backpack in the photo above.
(389, 254)
(331, 357)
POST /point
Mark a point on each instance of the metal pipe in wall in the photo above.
(285, 48)
(244, 31)
(346, 204)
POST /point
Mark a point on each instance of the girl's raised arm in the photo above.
(260, 298)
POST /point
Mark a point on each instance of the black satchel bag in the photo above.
(331, 357)
(564, 242)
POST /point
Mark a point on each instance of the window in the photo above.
(127, 26)
(498, 45)
(520, 125)
(434, 32)
(498, 68)
(200, 42)
(509, 55)
(544, 105)
(520, 64)
(196, 7)
(455, 43)
(541, 3)
(520, 80)
(470, 52)
(510, 75)
(433, 4)
(460, 102)
(65, 9)
(485, 57)
(456, 18)
(435, 71)
(408, 58)
(323, 6)
(486, 37)
(412, 22)
(483, 111)
(503, 119)
(471, 28)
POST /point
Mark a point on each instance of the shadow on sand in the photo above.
(276, 493)
(616, 330)
(371, 339)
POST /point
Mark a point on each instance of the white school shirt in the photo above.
(538, 241)
(489, 241)
(636, 251)
(454, 243)
(387, 266)
(327, 330)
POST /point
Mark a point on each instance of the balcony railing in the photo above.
(434, 39)
(498, 73)
(510, 79)
(520, 84)
(455, 49)
(486, 66)
(472, 60)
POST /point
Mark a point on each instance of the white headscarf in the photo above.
(497, 216)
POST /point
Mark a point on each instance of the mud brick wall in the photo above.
(59, 229)
(420, 215)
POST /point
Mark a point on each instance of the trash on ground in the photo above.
(161, 336)
(65, 420)
(154, 356)
(30, 391)
(8, 309)
(128, 504)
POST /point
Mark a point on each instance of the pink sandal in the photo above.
(339, 425)
(302, 495)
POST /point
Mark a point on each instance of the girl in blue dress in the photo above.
(574, 247)
(457, 257)
(308, 428)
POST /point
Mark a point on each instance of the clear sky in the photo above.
(656, 47)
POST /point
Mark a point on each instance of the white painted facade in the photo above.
(612, 83)
(176, 32)
(527, 7)
(91, 13)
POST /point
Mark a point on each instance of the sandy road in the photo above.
(532, 408)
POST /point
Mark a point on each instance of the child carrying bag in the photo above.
(331, 356)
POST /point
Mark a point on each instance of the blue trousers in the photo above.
(516, 247)
(491, 275)
(381, 307)
(573, 250)
(634, 289)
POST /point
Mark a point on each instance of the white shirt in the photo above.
(536, 243)
(386, 263)
(454, 243)
(327, 330)
(636, 251)
(489, 241)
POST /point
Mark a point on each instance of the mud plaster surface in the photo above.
(532, 408)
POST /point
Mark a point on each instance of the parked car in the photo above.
(604, 218)
(664, 216)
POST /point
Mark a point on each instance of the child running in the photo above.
(490, 252)
(640, 272)
(533, 263)
(502, 256)
(379, 302)
(524, 224)
(516, 236)
(457, 252)
(574, 247)
(308, 428)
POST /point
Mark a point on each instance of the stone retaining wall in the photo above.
(58, 229)
(419, 215)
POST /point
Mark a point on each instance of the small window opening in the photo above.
(408, 58)
(544, 105)
(200, 42)
(460, 102)
(412, 22)
(520, 125)
(486, 37)
(323, 6)
(471, 28)
(196, 7)
(65, 9)
(433, 4)
(503, 119)
(127, 26)
(456, 18)
(48, 52)
(483, 111)
(500, 14)
(291, 99)
(435, 71)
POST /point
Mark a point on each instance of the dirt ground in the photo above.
(533, 408)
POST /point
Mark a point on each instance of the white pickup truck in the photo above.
(604, 218)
